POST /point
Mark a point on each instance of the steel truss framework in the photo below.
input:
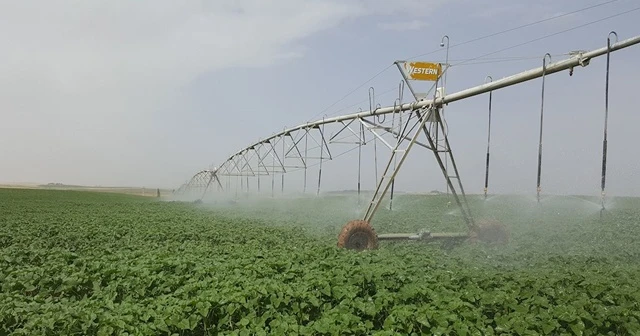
(398, 128)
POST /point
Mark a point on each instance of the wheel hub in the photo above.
(490, 231)
(358, 241)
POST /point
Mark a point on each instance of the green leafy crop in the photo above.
(102, 264)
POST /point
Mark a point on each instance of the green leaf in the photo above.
(577, 327)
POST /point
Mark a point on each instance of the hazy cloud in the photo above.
(403, 25)
(79, 80)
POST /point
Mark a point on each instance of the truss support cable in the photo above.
(306, 137)
(393, 183)
(486, 173)
(321, 153)
(284, 158)
(544, 67)
(398, 139)
(393, 116)
(258, 177)
(606, 117)
(372, 109)
(444, 132)
(361, 137)
(375, 159)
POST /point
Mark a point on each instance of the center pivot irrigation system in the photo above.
(398, 128)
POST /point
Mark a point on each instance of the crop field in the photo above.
(78, 262)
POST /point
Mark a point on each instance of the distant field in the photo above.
(152, 192)
(79, 262)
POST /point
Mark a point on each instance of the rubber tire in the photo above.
(492, 232)
(358, 227)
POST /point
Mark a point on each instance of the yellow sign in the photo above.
(423, 71)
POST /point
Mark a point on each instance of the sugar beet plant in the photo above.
(102, 264)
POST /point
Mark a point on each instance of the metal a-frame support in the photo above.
(429, 113)
(423, 115)
(212, 177)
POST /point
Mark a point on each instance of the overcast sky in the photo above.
(146, 93)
